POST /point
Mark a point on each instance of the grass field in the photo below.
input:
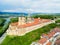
(29, 37)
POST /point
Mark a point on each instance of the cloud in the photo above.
(14, 10)
(34, 5)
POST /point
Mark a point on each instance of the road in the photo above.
(4, 35)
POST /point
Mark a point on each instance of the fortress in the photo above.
(25, 25)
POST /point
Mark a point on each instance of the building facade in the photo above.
(24, 25)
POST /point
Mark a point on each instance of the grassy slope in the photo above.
(29, 37)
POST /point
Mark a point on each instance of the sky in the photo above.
(38, 6)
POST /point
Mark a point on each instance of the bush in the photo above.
(14, 19)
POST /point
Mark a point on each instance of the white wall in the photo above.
(27, 29)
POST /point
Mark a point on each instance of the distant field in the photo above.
(6, 15)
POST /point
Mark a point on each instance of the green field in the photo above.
(29, 37)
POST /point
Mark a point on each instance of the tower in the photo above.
(21, 20)
(29, 18)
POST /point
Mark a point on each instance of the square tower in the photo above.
(21, 20)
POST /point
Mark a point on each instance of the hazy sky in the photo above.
(45, 6)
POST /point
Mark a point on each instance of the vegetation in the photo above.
(29, 37)
(3, 26)
(14, 19)
(58, 21)
(3, 29)
(45, 16)
(2, 21)
(58, 25)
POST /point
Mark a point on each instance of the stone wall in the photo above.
(23, 31)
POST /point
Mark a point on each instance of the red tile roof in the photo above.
(14, 24)
(49, 35)
(42, 40)
(44, 35)
(30, 24)
(49, 43)
(36, 21)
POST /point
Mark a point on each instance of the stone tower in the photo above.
(29, 18)
(21, 20)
